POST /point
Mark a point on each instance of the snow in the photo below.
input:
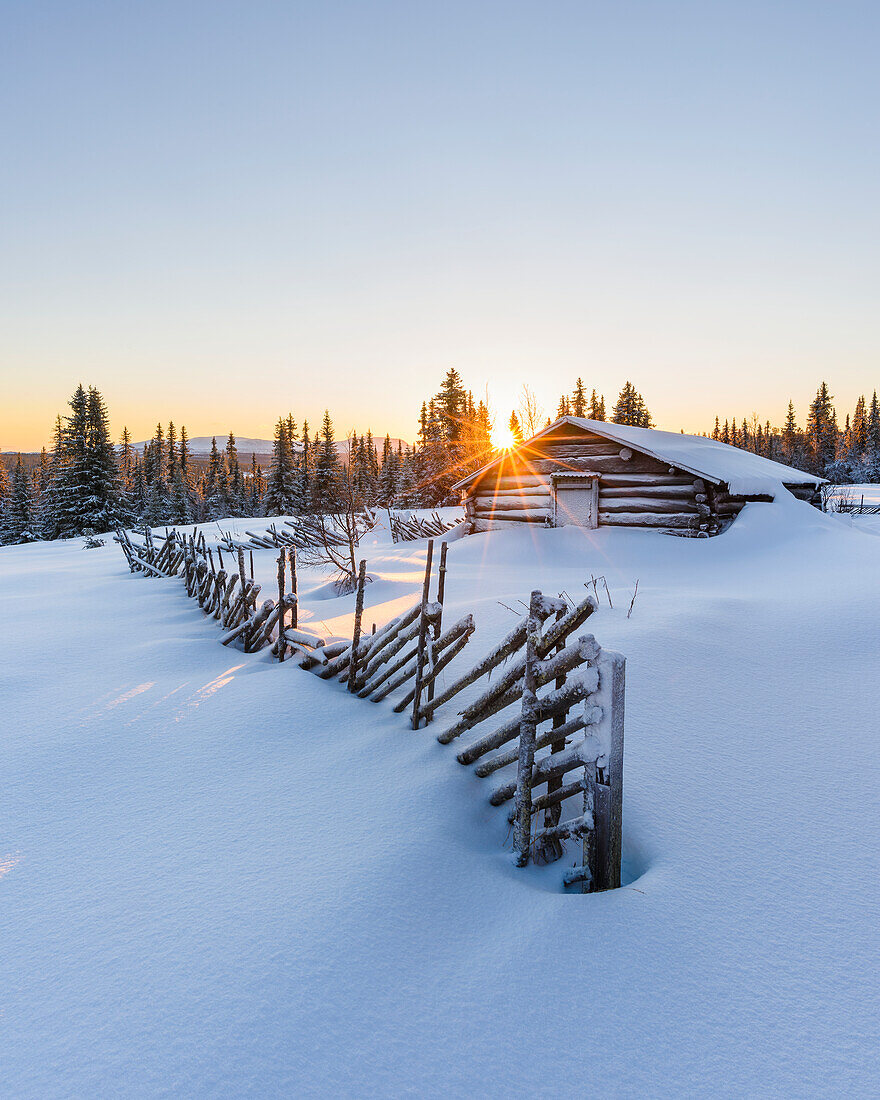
(746, 473)
(222, 876)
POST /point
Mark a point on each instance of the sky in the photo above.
(220, 212)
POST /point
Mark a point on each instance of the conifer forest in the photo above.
(88, 482)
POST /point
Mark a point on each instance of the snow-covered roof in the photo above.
(746, 473)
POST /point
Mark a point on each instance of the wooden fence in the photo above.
(410, 528)
(563, 695)
(297, 534)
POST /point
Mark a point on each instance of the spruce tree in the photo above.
(72, 490)
(257, 488)
(18, 519)
(104, 508)
(5, 483)
(325, 482)
(579, 399)
(304, 473)
(387, 474)
(84, 488)
(872, 446)
(281, 493)
(450, 405)
(126, 458)
(407, 490)
(790, 442)
(631, 409)
(137, 497)
(597, 406)
(858, 432)
(821, 433)
(43, 474)
(48, 515)
(216, 489)
(372, 469)
(514, 428)
(234, 477)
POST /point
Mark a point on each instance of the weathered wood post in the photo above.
(282, 645)
(423, 633)
(522, 824)
(356, 634)
(294, 610)
(243, 578)
(612, 668)
(552, 849)
(438, 625)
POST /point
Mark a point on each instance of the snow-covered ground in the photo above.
(867, 496)
(221, 876)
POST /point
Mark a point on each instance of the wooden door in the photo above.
(576, 502)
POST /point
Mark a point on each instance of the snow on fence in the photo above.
(573, 688)
(230, 596)
(411, 528)
(299, 534)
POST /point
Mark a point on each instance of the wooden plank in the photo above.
(663, 492)
(652, 505)
(637, 480)
(489, 502)
(602, 464)
(509, 523)
(539, 489)
(515, 515)
(647, 519)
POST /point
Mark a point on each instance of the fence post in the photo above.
(616, 665)
(423, 632)
(282, 645)
(552, 849)
(522, 824)
(356, 634)
(294, 611)
(441, 592)
(603, 843)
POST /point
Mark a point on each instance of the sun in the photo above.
(503, 439)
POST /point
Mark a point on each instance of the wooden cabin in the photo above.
(590, 473)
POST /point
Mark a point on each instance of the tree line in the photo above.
(88, 483)
(844, 455)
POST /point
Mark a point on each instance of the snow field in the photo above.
(218, 875)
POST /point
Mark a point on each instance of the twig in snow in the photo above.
(594, 581)
(510, 609)
(635, 593)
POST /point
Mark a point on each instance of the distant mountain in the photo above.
(201, 445)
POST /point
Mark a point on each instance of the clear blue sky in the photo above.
(300, 205)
